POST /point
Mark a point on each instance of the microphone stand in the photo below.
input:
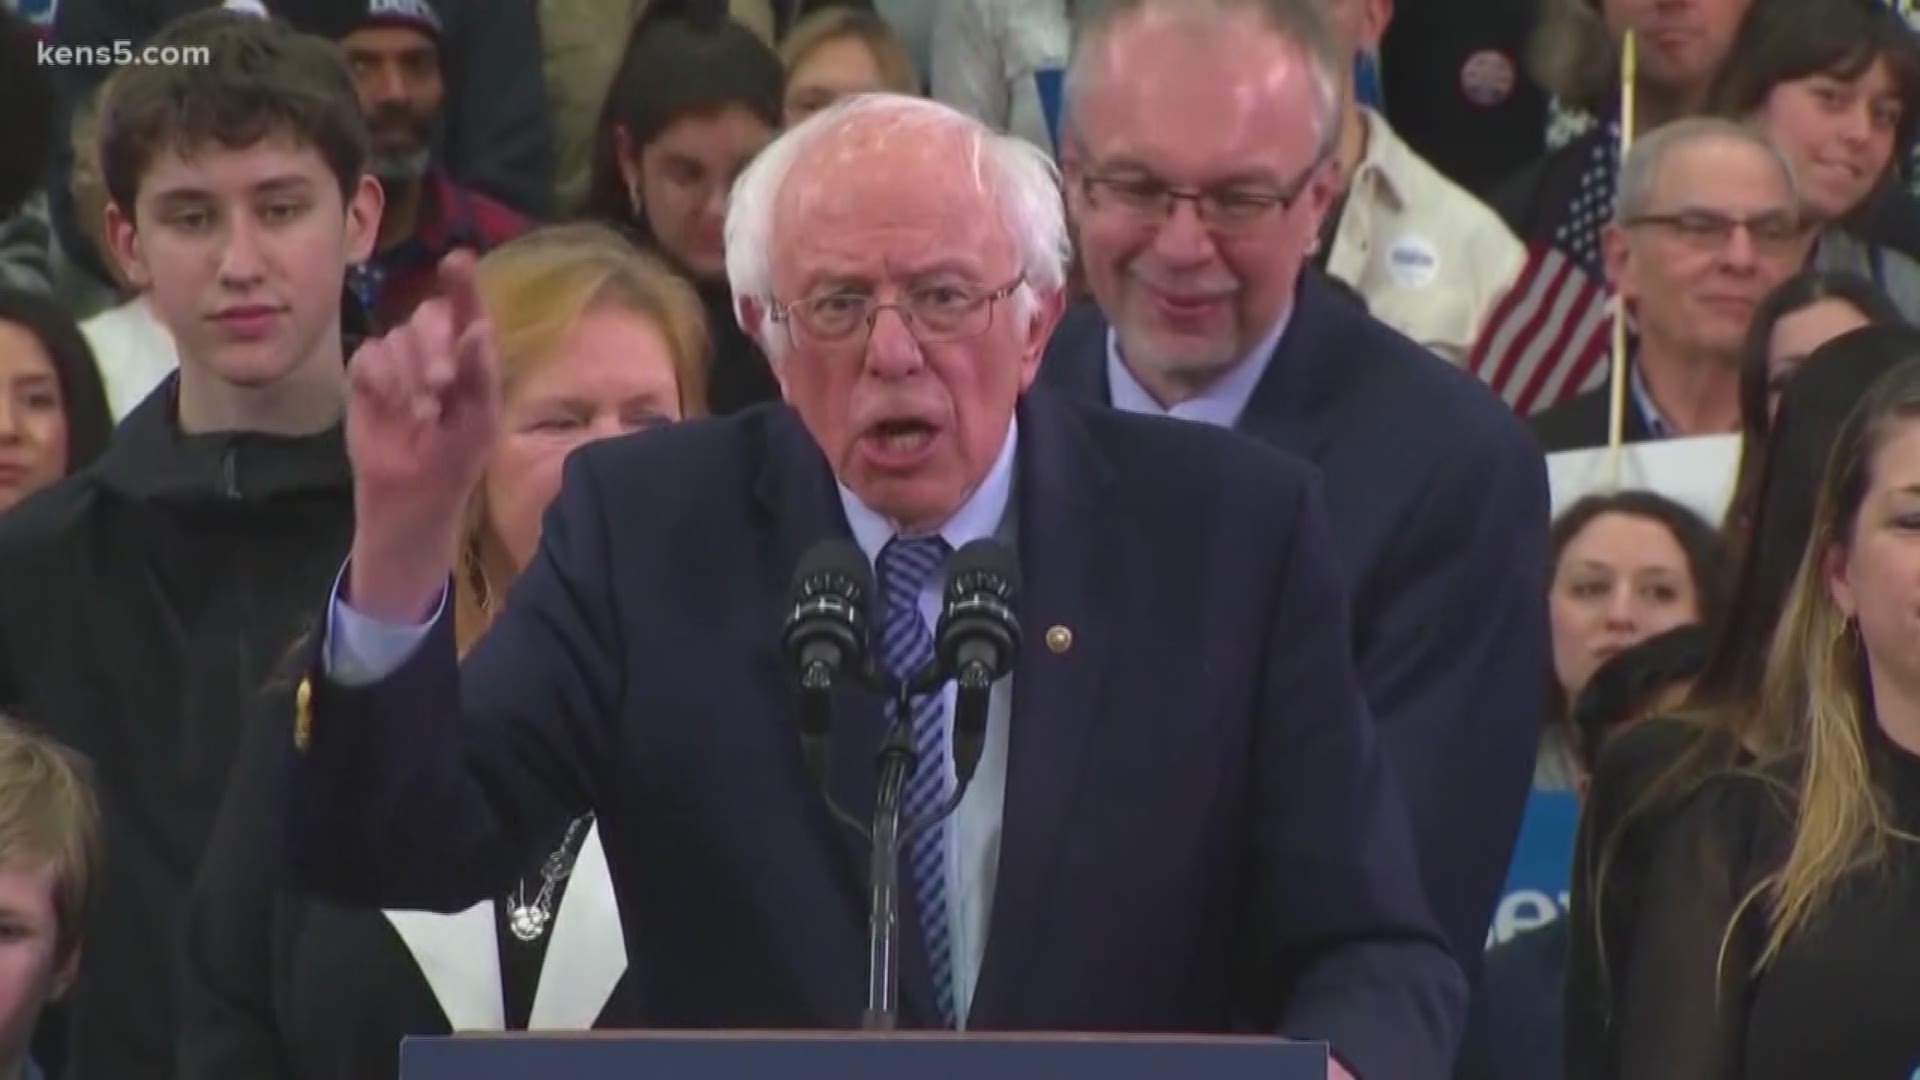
(883, 913)
(897, 759)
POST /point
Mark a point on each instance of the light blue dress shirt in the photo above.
(1220, 404)
(360, 650)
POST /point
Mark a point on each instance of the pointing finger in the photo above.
(435, 335)
(477, 381)
(458, 286)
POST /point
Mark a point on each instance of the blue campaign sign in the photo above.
(1541, 871)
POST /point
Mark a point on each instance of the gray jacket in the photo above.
(1897, 275)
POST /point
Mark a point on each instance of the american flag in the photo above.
(1548, 339)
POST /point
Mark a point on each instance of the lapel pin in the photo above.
(1059, 639)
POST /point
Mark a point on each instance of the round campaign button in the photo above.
(1488, 77)
(1413, 262)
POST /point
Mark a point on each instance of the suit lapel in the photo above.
(1289, 408)
(1068, 557)
(798, 491)
(1076, 359)
(588, 951)
(459, 956)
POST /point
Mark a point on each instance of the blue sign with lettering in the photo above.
(1542, 869)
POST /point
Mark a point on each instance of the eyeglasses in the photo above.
(933, 313)
(1775, 233)
(1224, 208)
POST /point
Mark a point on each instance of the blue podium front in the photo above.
(631, 1055)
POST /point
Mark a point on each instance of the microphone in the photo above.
(826, 635)
(977, 641)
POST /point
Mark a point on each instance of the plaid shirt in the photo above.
(394, 282)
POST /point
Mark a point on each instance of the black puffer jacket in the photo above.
(146, 605)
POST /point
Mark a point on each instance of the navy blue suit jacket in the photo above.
(1439, 504)
(1200, 832)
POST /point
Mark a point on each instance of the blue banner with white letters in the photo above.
(1541, 873)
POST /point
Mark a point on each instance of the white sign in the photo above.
(1697, 473)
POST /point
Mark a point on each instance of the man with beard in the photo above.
(393, 51)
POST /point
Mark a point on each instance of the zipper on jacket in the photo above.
(230, 473)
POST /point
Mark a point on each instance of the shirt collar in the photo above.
(977, 519)
(1650, 413)
(1386, 160)
(1220, 404)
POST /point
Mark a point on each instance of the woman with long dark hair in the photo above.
(1805, 312)
(696, 96)
(1776, 938)
(1626, 566)
(53, 412)
(1652, 769)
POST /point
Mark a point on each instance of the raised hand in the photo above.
(423, 407)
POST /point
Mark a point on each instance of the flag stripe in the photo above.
(1547, 338)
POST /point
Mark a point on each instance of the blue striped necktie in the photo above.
(906, 644)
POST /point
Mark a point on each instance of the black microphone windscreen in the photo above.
(834, 559)
(984, 564)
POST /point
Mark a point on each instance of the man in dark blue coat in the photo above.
(1201, 164)
(1180, 822)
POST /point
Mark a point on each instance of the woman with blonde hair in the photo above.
(596, 340)
(578, 312)
(1776, 938)
(838, 52)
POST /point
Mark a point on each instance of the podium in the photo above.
(639, 1055)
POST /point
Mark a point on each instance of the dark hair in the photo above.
(1697, 539)
(261, 79)
(1628, 684)
(1893, 397)
(682, 59)
(1797, 293)
(89, 423)
(1815, 404)
(1785, 40)
(26, 120)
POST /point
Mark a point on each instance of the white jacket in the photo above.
(1430, 259)
(987, 54)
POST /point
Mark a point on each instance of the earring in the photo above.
(634, 203)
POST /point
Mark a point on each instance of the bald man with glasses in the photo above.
(1200, 149)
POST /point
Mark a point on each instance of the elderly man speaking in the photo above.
(1181, 821)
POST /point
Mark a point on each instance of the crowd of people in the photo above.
(412, 413)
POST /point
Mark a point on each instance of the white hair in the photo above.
(1021, 179)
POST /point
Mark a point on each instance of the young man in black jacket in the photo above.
(146, 603)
